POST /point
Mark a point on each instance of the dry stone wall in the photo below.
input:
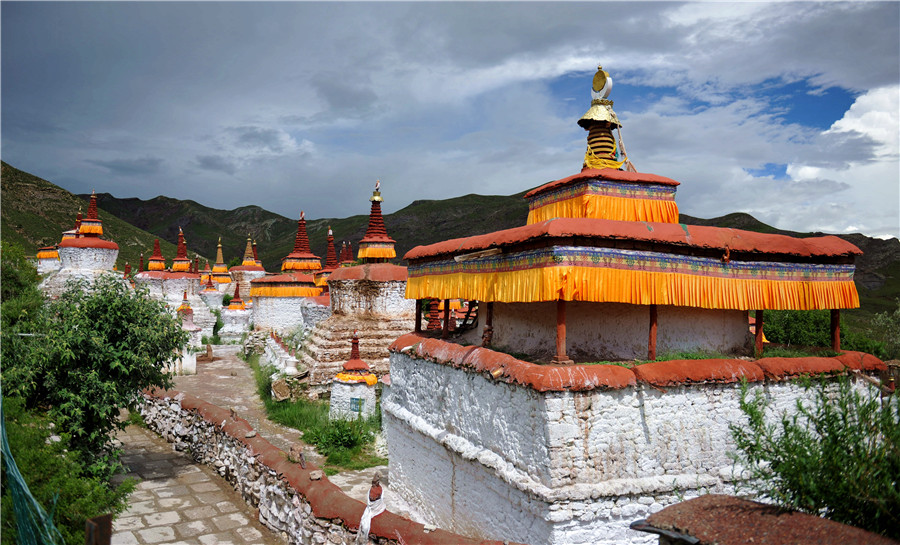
(298, 502)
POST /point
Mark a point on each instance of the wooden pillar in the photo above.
(488, 334)
(561, 357)
(651, 343)
(836, 329)
(418, 316)
(759, 334)
(445, 331)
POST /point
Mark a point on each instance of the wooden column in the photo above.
(651, 343)
(445, 330)
(561, 357)
(488, 334)
(418, 316)
(759, 334)
(836, 330)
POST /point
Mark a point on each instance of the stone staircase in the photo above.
(328, 345)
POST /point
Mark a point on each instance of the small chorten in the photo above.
(182, 262)
(156, 262)
(331, 263)
(220, 269)
(353, 389)
(247, 271)
(236, 302)
(599, 121)
(376, 246)
(209, 294)
(249, 258)
(206, 273)
(185, 307)
(48, 259)
(73, 233)
(301, 259)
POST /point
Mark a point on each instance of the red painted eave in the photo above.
(604, 174)
(88, 242)
(378, 272)
(691, 236)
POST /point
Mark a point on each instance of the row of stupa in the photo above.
(368, 297)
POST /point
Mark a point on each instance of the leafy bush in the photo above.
(55, 476)
(92, 354)
(886, 329)
(809, 328)
(838, 457)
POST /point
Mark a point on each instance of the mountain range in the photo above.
(36, 211)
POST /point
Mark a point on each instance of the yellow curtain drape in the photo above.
(375, 252)
(607, 207)
(284, 291)
(301, 266)
(90, 229)
(574, 283)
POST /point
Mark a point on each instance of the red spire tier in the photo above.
(347, 256)
(355, 369)
(156, 262)
(181, 263)
(330, 255)
(249, 260)
(91, 226)
(256, 256)
(302, 258)
(141, 263)
(236, 302)
(209, 286)
(376, 246)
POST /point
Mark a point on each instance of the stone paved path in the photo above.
(179, 502)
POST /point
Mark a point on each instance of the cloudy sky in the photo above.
(788, 111)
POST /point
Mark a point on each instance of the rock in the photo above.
(280, 390)
(249, 434)
(316, 475)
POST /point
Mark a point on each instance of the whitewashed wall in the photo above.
(613, 331)
(341, 395)
(285, 314)
(494, 460)
(367, 296)
(88, 259)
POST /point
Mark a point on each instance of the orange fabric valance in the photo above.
(607, 207)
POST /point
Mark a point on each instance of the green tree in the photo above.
(98, 348)
(837, 456)
(885, 327)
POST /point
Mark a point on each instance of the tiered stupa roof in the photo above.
(346, 258)
(156, 262)
(301, 259)
(331, 262)
(208, 285)
(355, 369)
(220, 269)
(256, 256)
(72, 233)
(88, 231)
(249, 263)
(609, 235)
(182, 262)
(236, 302)
(376, 246)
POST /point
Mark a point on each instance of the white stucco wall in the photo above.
(87, 258)
(45, 266)
(614, 331)
(285, 314)
(366, 296)
(341, 395)
(236, 323)
(494, 460)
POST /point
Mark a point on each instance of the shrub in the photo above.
(55, 477)
(837, 456)
(96, 351)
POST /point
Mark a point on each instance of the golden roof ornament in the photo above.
(376, 195)
(601, 107)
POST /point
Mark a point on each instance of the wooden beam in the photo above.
(836, 330)
(561, 358)
(488, 334)
(445, 330)
(651, 343)
(759, 334)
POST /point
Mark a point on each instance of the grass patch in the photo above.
(797, 352)
(135, 419)
(343, 443)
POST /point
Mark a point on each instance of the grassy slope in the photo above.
(35, 212)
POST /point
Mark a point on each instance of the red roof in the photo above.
(88, 242)
(379, 272)
(605, 174)
(690, 236)
(246, 268)
(167, 275)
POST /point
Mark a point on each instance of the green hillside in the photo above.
(35, 212)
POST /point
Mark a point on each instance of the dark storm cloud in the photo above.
(216, 163)
(130, 167)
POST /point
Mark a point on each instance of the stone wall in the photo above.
(613, 331)
(490, 446)
(357, 297)
(299, 502)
